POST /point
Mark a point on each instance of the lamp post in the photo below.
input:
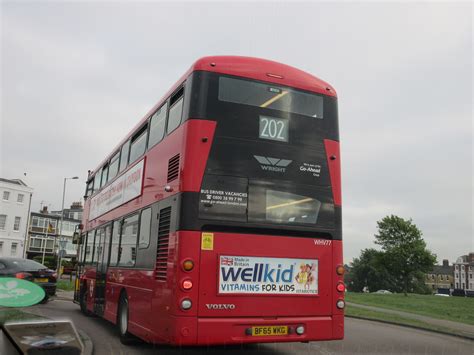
(61, 223)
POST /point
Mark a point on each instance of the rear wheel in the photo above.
(122, 322)
(45, 299)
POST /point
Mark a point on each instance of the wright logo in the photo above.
(273, 164)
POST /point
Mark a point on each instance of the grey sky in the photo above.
(77, 76)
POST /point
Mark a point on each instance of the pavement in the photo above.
(86, 339)
(459, 329)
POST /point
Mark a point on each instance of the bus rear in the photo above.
(263, 210)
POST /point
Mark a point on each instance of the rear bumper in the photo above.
(219, 331)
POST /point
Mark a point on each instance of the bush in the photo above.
(49, 261)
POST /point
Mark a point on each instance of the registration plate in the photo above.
(41, 280)
(270, 330)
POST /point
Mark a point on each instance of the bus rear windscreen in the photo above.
(270, 96)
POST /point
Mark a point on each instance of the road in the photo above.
(362, 337)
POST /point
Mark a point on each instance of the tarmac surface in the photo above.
(362, 337)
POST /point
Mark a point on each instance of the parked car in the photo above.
(459, 292)
(30, 270)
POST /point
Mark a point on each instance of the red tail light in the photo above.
(187, 285)
(341, 287)
(23, 275)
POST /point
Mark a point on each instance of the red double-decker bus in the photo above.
(217, 220)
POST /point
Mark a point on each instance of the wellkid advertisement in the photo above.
(255, 275)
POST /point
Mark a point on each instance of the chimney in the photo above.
(76, 205)
(470, 259)
(445, 262)
(44, 210)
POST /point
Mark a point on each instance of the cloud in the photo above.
(76, 77)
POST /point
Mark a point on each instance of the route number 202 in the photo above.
(273, 128)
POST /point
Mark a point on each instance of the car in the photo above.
(30, 270)
(383, 292)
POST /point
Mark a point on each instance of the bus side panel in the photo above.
(199, 137)
(112, 294)
(89, 285)
(163, 300)
(138, 285)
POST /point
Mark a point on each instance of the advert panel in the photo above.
(258, 275)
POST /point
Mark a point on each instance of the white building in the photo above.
(15, 202)
(464, 272)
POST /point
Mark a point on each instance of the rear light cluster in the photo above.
(23, 275)
(187, 284)
(340, 287)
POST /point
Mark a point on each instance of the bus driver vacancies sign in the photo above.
(254, 275)
(125, 188)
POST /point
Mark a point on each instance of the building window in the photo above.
(432, 277)
(3, 221)
(19, 198)
(13, 251)
(470, 276)
(16, 225)
(6, 195)
(457, 285)
(1, 247)
(462, 267)
(457, 276)
(463, 285)
(456, 267)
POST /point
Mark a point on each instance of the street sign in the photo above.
(19, 293)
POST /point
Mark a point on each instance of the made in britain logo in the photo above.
(273, 164)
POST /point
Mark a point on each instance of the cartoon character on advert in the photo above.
(305, 277)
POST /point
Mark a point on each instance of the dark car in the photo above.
(31, 271)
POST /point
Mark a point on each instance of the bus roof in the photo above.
(248, 67)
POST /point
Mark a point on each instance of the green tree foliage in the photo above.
(49, 261)
(404, 252)
(369, 271)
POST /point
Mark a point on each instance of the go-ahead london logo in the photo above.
(19, 293)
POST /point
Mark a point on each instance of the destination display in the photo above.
(125, 188)
(256, 275)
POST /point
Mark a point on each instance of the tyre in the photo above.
(45, 299)
(122, 322)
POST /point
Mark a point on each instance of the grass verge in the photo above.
(396, 319)
(65, 285)
(456, 309)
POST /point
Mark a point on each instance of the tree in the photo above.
(369, 270)
(405, 254)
